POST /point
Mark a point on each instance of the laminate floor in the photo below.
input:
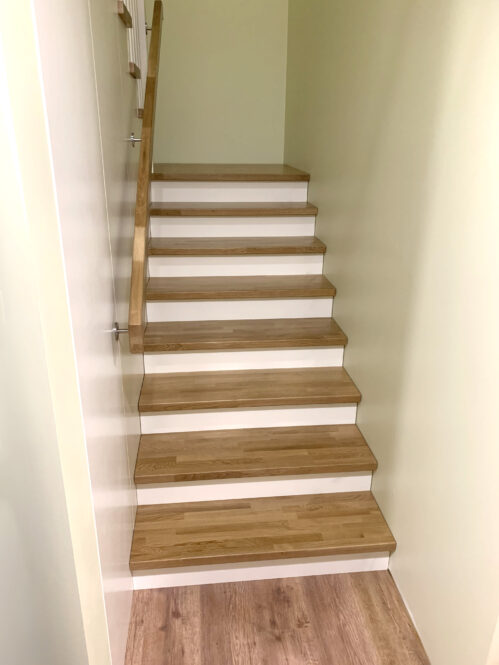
(349, 619)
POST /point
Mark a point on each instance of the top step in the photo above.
(228, 173)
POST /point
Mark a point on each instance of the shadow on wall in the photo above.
(370, 178)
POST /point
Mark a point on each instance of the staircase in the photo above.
(250, 465)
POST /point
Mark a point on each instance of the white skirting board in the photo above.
(214, 419)
(240, 192)
(251, 488)
(212, 266)
(261, 570)
(218, 310)
(205, 361)
(231, 227)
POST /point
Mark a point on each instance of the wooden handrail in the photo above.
(136, 312)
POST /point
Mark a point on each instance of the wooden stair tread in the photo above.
(242, 334)
(222, 288)
(216, 209)
(214, 532)
(228, 173)
(246, 389)
(235, 246)
(251, 453)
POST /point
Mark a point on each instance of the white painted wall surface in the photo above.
(90, 101)
(222, 81)
(52, 603)
(393, 106)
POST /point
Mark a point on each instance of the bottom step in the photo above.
(264, 529)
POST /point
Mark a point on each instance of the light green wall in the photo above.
(393, 106)
(222, 81)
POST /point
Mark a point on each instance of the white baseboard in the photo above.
(214, 419)
(240, 192)
(231, 227)
(218, 310)
(262, 570)
(205, 361)
(251, 488)
(212, 266)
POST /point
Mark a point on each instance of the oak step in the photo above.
(227, 288)
(251, 453)
(216, 209)
(235, 246)
(228, 173)
(214, 532)
(242, 334)
(246, 389)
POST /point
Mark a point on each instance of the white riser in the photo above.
(200, 361)
(214, 419)
(261, 570)
(202, 266)
(223, 310)
(240, 192)
(231, 227)
(250, 488)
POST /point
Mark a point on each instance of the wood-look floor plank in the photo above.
(247, 287)
(228, 173)
(246, 389)
(251, 453)
(215, 209)
(349, 619)
(242, 334)
(210, 532)
(258, 246)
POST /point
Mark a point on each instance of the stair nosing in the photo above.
(343, 441)
(306, 548)
(315, 248)
(296, 175)
(245, 339)
(205, 400)
(283, 286)
(224, 209)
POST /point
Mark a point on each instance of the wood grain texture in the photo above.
(124, 14)
(246, 389)
(251, 453)
(216, 209)
(134, 70)
(247, 287)
(242, 334)
(213, 532)
(350, 619)
(136, 314)
(290, 245)
(228, 173)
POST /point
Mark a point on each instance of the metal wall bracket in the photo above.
(133, 140)
(116, 330)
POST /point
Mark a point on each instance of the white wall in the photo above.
(222, 81)
(90, 104)
(393, 106)
(51, 604)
